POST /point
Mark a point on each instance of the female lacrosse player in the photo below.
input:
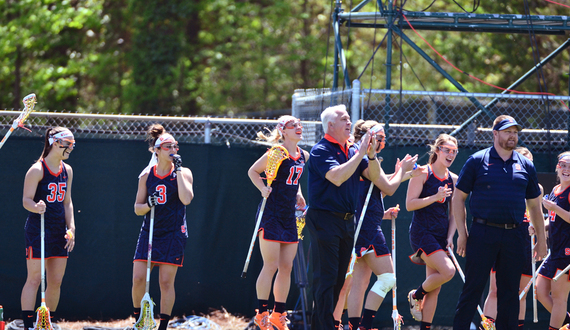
(371, 250)
(490, 308)
(432, 227)
(167, 186)
(47, 190)
(278, 230)
(553, 295)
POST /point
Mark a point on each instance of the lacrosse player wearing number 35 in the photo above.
(47, 192)
(165, 186)
(278, 230)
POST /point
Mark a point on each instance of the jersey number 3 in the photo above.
(57, 192)
(161, 194)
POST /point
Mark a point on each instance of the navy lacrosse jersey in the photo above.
(433, 218)
(371, 235)
(170, 230)
(278, 221)
(559, 231)
(52, 189)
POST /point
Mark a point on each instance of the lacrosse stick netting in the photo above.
(29, 103)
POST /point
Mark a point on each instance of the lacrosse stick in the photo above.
(527, 287)
(43, 321)
(533, 263)
(29, 103)
(395, 315)
(146, 319)
(275, 156)
(561, 273)
(485, 322)
(353, 254)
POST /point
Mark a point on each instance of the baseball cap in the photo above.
(506, 123)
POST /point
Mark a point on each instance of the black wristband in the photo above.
(372, 158)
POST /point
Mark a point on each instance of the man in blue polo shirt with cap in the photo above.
(334, 174)
(502, 184)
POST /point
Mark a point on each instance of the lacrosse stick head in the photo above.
(300, 220)
(398, 319)
(275, 156)
(146, 318)
(43, 321)
(29, 103)
(487, 324)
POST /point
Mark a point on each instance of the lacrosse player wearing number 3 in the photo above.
(278, 229)
(47, 190)
(167, 186)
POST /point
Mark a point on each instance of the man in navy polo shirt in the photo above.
(334, 174)
(502, 183)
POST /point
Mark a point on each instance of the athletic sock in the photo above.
(279, 307)
(52, 317)
(425, 325)
(262, 305)
(29, 318)
(164, 318)
(353, 323)
(136, 313)
(420, 293)
(336, 324)
(521, 324)
(367, 318)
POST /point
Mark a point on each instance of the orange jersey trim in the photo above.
(160, 263)
(49, 170)
(437, 177)
(333, 140)
(161, 177)
(261, 231)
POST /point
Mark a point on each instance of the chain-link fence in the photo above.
(415, 118)
(134, 127)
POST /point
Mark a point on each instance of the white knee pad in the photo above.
(384, 284)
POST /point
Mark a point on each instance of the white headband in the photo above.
(61, 135)
(162, 139)
(565, 158)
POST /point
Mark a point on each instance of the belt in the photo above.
(498, 225)
(344, 216)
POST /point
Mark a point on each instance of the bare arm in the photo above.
(459, 214)
(389, 185)
(254, 175)
(185, 182)
(452, 225)
(33, 177)
(141, 207)
(537, 220)
(68, 207)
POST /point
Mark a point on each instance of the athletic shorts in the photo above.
(54, 240)
(425, 243)
(551, 268)
(368, 242)
(167, 249)
(278, 229)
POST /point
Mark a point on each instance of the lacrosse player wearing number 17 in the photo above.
(278, 230)
(167, 186)
(47, 190)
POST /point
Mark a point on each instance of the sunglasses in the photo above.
(66, 143)
(292, 124)
(380, 138)
(172, 146)
(564, 165)
(448, 150)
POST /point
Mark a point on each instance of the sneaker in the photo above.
(415, 306)
(262, 320)
(279, 320)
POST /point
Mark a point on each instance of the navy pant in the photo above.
(503, 247)
(331, 244)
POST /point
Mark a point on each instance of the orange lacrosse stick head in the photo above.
(275, 156)
(43, 321)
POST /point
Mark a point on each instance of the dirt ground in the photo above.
(221, 320)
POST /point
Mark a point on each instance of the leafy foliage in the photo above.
(236, 57)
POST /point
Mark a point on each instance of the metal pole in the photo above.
(336, 47)
(355, 106)
(207, 132)
(390, 18)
